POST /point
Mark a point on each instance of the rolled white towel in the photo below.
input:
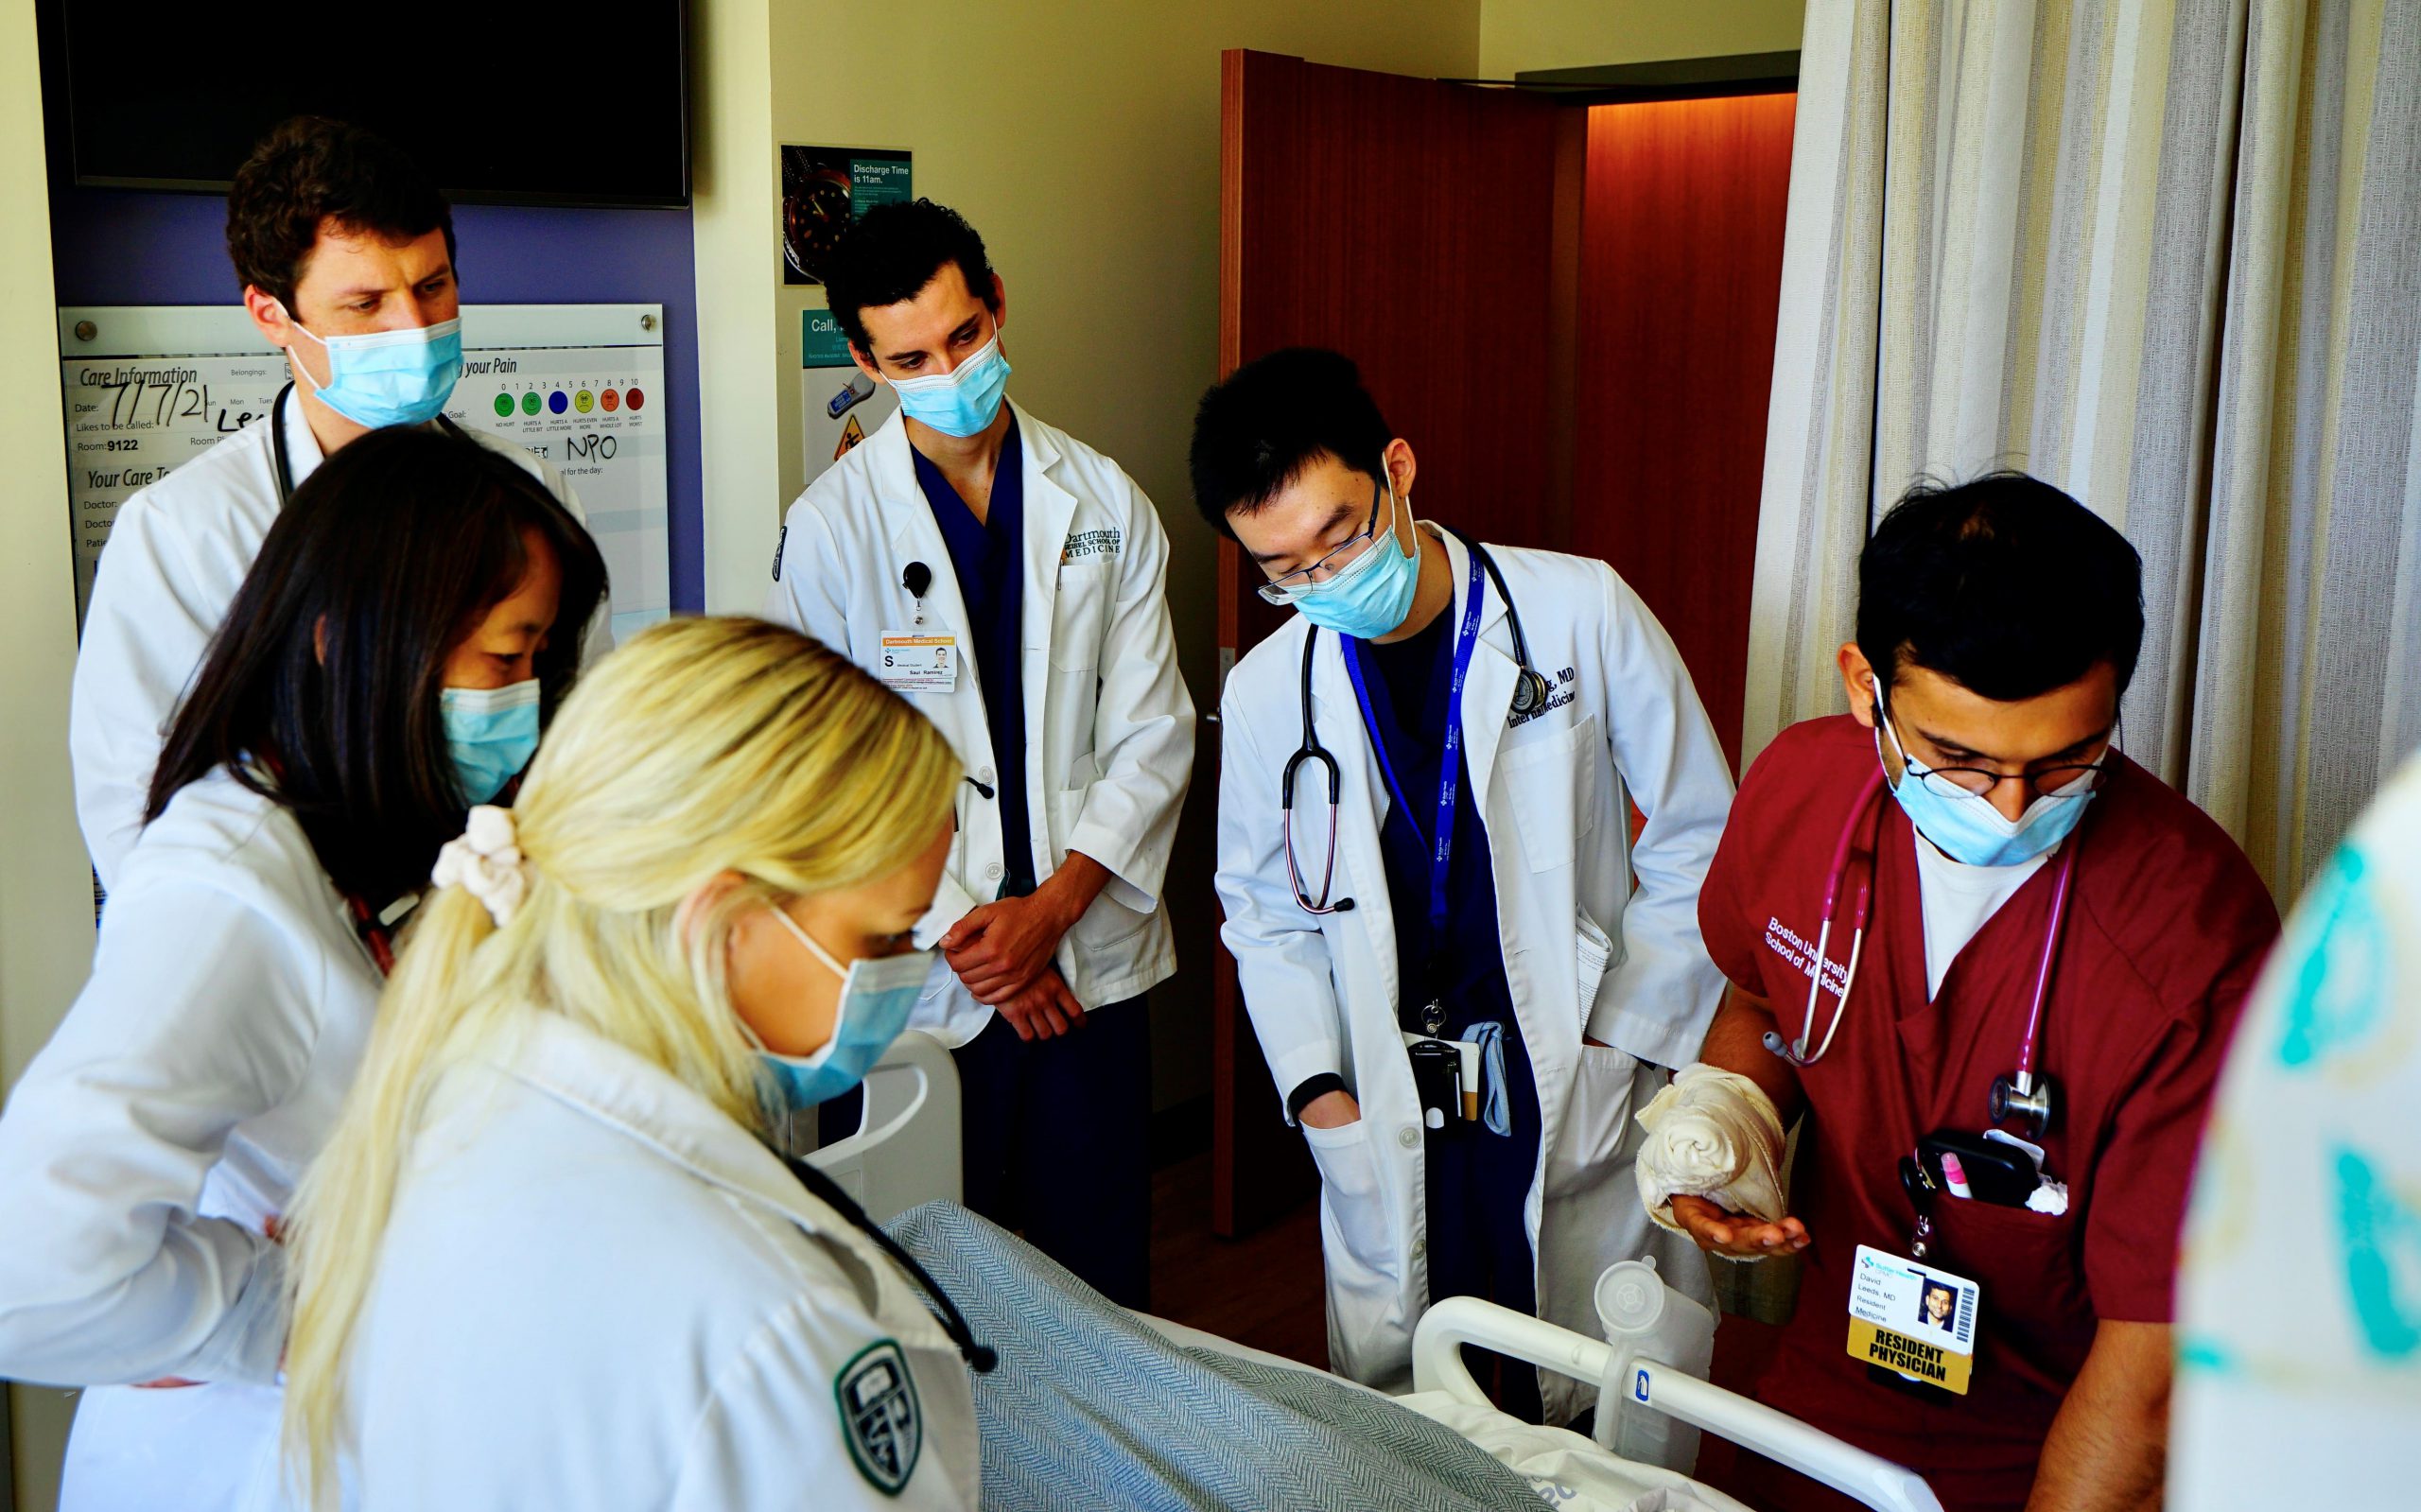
(1712, 1134)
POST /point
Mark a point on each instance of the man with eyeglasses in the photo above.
(1426, 862)
(1995, 897)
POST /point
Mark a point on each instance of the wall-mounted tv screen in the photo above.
(579, 105)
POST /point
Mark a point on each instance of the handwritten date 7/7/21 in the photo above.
(141, 404)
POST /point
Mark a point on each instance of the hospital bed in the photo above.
(905, 1152)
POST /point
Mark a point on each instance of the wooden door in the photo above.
(1431, 233)
(1682, 258)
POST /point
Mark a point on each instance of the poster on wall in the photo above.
(841, 406)
(150, 387)
(823, 188)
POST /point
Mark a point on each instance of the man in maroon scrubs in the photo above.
(1998, 624)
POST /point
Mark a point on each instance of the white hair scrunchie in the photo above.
(487, 862)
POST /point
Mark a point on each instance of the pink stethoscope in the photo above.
(2021, 1094)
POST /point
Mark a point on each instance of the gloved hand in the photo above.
(1713, 1134)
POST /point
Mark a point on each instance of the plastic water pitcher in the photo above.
(1645, 1319)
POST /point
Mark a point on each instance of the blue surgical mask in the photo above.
(876, 995)
(389, 377)
(492, 732)
(1968, 828)
(1370, 595)
(961, 401)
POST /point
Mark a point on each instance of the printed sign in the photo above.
(823, 188)
(839, 406)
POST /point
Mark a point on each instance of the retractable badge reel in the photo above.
(921, 659)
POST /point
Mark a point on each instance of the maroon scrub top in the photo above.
(2167, 926)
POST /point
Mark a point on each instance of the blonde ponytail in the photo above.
(702, 747)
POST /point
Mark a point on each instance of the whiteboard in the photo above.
(150, 387)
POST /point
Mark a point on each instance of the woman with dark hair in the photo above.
(412, 616)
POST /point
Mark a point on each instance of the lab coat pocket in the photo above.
(1552, 782)
(1595, 958)
(1080, 612)
(1354, 1233)
(1599, 1138)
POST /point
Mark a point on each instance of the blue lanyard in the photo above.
(1449, 765)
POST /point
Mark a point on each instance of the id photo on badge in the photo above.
(1938, 1306)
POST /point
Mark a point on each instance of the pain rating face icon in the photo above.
(583, 400)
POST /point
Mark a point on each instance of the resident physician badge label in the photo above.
(1909, 1317)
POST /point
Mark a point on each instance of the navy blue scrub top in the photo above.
(1409, 681)
(988, 557)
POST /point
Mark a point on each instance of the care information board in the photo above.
(150, 387)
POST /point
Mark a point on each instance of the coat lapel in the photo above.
(916, 536)
(1488, 688)
(1049, 509)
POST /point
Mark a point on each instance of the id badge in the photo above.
(914, 662)
(1913, 1318)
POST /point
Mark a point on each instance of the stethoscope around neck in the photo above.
(1530, 694)
(284, 462)
(2020, 1094)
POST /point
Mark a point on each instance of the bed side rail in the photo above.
(1437, 1365)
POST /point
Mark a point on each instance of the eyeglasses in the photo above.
(2068, 780)
(1285, 588)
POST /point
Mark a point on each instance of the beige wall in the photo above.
(1516, 36)
(1081, 137)
(46, 893)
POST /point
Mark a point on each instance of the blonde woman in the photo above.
(546, 1259)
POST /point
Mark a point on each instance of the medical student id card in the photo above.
(915, 662)
(1909, 1317)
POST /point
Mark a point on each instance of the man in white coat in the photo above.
(1008, 580)
(1461, 997)
(345, 251)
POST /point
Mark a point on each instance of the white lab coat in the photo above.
(1322, 990)
(152, 1138)
(1109, 728)
(176, 556)
(598, 1292)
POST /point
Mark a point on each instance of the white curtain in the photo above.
(2167, 255)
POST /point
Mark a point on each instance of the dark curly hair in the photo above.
(890, 252)
(310, 171)
(2003, 585)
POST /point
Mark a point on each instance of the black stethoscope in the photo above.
(1530, 694)
(980, 1358)
(284, 463)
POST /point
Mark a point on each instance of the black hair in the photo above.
(890, 252)
(322, 689)
(310, 169)
(1256, 430)
(2005, 586)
